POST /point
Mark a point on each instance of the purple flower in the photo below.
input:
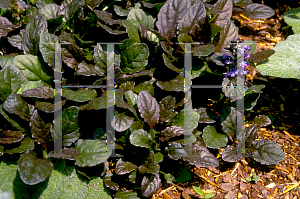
(227, 62)
(246, 56)
(247, 49)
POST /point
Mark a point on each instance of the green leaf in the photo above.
(6, 60)
(100, 57)
(132, 30)
(11, 79)
(292, 18)
(229, 122)
(93, 3)
(168, 177)
(81, 95)
(285, 63)
(213, 139)
(41, 3)
(183, 176)
(203, 51)
(199, 191)
(169, 64)
(158, 157)
(32, 68)
(1, 150)
(49, 11)
(121, 122)
(32, 85)
(138, 16)
(140, 138)
(65, 128)
(47, 47)
(126, 194)
(91, 152)
(191, 117)
(134, 58)
(31, 37)
(34, 170)
(120, 11)
(131, 97)
(63, 183)
(14, 123)
(136, 125)
(252, 45)
(27, 144)
(176, 84)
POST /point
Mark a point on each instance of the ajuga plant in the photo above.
(159, 125)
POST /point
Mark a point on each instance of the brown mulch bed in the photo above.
(229, 179)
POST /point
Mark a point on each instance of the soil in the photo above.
(276, 181)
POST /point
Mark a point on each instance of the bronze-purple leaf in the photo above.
(9, 137)
(173, 131)
(40, 92)
(65, 153)
(40, 130)
(149, 108)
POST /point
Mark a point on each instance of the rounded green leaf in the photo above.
(47, 47)
(213, 139)
(134, 58)
(91, 152)
(140, 138)
(8, 84)
(81, 95)
(32, 85)
(50, 11)
(34, 170)
(186, 117)
(131, 97)
(138, 16)
(31, 67)
(65, 128)
(292, 18)
(285, 62)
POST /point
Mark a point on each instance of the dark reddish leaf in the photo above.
(40, 92)
(262, 55)
(9, 137)
(150, 185)
(65, 153)
(40, 130)
(149, 108)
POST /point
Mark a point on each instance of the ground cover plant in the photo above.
(158, 122)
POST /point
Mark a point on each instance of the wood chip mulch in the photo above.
(276, 182)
